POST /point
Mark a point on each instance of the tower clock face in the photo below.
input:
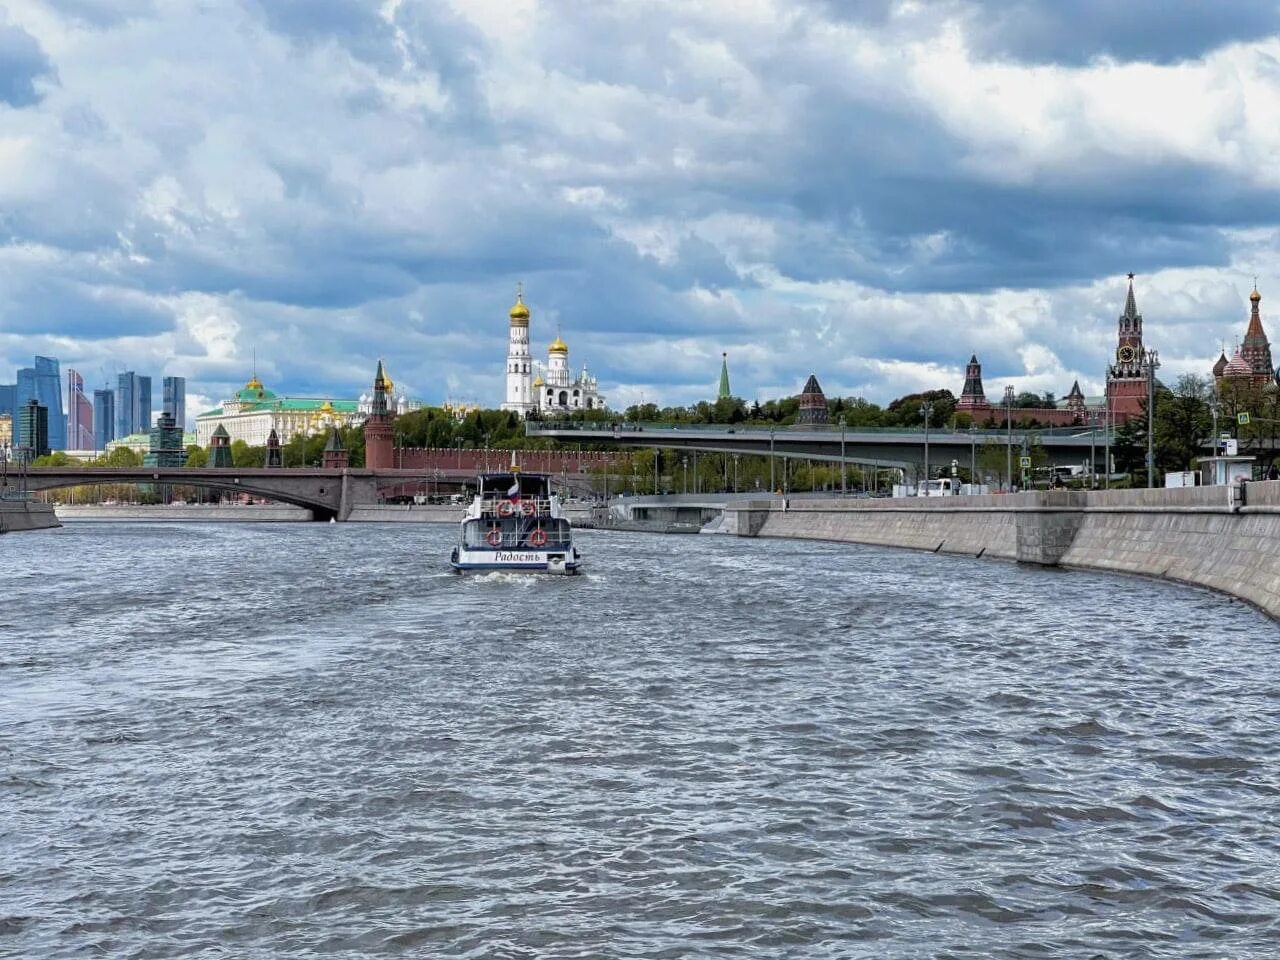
(1126, 354)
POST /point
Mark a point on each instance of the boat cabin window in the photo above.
(517, 533)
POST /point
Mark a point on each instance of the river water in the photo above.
(314, 741)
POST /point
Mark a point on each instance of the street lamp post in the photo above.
(1008, 449)
(1153, 364)
(772, 486)
(844, 485)
(735, 473)
(1106, 429)
(1093, 467)
(973, 454)
(926, 408)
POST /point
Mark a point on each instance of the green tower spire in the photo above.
(724, 393)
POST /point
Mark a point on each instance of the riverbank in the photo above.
(18, 516)
(185, 512)
(1192, 535)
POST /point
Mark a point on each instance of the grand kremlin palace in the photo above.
(255, 411)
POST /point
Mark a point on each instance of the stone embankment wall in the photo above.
(406, 513)
(439, 513)
(18, 515)
(1195, 535)
(189, 512)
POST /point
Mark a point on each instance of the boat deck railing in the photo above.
(502, 507)
(499, 539)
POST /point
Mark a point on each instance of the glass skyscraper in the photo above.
(79, 414)
(175, 399)
(43, 383)
(32, 433)
(133, 404)
(104, 418)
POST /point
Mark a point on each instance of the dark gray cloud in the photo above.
(103, 13)
(1077, 31)
(22, 63)
(354, 25)
(656, 175)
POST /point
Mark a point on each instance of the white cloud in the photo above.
(868, 199)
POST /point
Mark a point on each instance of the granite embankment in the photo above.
(20, 515)
(1195, 535)
(187, 512)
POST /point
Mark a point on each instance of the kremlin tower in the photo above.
(519, 389)
(813, 402)
(379, 429)
(1127, 377)
(973, 399)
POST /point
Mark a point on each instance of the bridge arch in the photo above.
(314, 490)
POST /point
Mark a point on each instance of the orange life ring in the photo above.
(538, 538)
(506, 508)
(493, 537)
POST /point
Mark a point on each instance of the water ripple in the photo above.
(310, 741)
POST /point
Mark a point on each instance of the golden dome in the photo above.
(519, 312)
(558, 346)
(1255, 296)
(254, 383)
(326, 407)
(539, 382)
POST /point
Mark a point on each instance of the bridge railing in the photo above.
(544, 428)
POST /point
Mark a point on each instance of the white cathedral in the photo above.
(556, 392)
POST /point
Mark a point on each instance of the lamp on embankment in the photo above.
(926, 408)
(1008, 449)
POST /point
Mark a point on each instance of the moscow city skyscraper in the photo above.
(79, 414)
(133, 404)
(43, 383)
(104, 418)
(175, 400)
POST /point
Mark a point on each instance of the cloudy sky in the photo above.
(866, 190)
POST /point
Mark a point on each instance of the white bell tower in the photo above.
(519, 387)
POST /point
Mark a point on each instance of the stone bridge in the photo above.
(328, 494)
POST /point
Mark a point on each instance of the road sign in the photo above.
(1242, 419)
(1024, 463)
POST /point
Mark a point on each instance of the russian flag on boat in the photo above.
(514, 493)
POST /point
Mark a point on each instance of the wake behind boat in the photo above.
(515, 523)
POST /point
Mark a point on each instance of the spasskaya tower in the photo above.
(1127, 376)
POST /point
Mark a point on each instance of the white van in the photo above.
(943, 487)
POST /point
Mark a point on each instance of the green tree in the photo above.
(1129, 446)
(244, 456)
(120, 457)
(197, 456)
(57, 458)
(1182, 422)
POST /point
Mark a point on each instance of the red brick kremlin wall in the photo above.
(476, 461)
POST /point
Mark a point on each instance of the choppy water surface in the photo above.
(307, 740)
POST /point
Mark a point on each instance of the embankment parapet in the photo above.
(1194, 535)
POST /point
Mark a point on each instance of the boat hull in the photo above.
(564, 563)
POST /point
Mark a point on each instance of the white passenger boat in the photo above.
(515, 523)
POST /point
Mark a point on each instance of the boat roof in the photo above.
(529, 482)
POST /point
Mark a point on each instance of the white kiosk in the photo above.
(1224, 471)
